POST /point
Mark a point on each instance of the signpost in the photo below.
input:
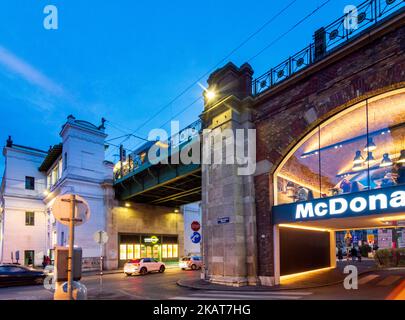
(71, 210)
(101, 237)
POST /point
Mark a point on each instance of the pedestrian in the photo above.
(44, 262)
(353, 253)
(359, 254)
(340, 254)
(48, 260)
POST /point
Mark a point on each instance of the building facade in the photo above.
(24, 234)
(33, 179)
(329, 156)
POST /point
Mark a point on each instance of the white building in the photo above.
(24, 222)
(77, 166)
(34, 178)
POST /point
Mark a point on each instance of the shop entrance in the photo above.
(136, 246)
(347, 173)
(305, 246)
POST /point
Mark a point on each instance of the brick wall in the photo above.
(285, 114)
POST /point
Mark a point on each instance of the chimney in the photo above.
(9, 142)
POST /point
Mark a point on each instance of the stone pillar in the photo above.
(229, 248)
(111, 247)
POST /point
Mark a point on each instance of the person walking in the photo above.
(353, 253)
(359, 254)
(340, 254)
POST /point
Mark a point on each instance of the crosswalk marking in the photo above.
(265, 293)
(238, 295)
(368, 278)
(389, 280)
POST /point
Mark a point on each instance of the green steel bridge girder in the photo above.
(162, 184)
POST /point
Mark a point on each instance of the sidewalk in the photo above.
(312, 280)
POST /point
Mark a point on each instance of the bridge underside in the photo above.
(162, 185)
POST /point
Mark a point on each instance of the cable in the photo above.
(289, 30)
(20, 180)
(177, 114)
(215, 66)
(228, 55)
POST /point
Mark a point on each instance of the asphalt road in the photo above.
(376, 285)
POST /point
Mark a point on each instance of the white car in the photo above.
(193, 263)
(143, 266)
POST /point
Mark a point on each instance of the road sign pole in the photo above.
(101, 259)
(71, 244)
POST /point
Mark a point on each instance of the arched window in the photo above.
(361, 148)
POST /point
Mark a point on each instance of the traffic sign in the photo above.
(101, 237)
(195, 238)
(223, 220)
(61, 209)
(195, 226)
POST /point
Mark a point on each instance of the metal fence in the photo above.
(336, 34)
(139, 161)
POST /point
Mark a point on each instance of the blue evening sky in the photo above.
(125, 59)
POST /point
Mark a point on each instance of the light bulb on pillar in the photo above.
(210, 94)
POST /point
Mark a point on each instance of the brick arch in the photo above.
(290, 148)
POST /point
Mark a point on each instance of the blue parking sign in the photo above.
(195, 237)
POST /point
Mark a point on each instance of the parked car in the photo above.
(15, 275)
(193, 263)
(143, 266)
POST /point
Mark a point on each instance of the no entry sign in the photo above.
(195, 226)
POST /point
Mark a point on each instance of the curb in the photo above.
(230, 289)
(107, 272)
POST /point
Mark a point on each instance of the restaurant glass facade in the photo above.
(136, 246)
(361, 148)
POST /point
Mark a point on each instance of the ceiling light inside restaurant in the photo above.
(402, 157)
(370, 146)
(357, 167)
(358, 157)
(370, 159)
(386, 161)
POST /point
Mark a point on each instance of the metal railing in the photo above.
(335, 35)
(139, 161)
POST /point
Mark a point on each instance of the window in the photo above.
(123, 252)
(60, 167)
(164, 251)
(29, 183)
(360, 148)
(49, 181)
(30, 218)
(130, 251)
(137, 249)
(65, 162)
